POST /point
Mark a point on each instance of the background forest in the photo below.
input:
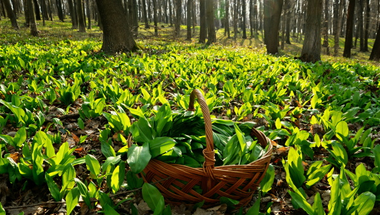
(90, 91)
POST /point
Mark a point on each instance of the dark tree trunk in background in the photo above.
(288, 19)
(10, 13)
(227, 19)
(375, 54)
(155, 17)
(337, 25)
(170, 12)
(145, 16)
(117, 36)
(32, 19)
(366, 25)
(49, 9)
(73, 14)
(88, 10)
(360, 25)
(26, 11)
(311, 49)
(60, 10)
(251, 18)
(272, 14)
(81, 20)
(235, 20)
(189, 8)
(37, 10)
(178, 18)
(203, 28)
(349, 30)
(44, 11)
(135, 18)
(326, 28)
(211, 35)
(244, 12)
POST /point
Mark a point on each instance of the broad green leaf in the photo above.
(342, 129)
(138, 157)
(107, 149)
(153, 198)
(93, 165)
(20, 137)
(267, 182)
(72, 199)
(278, 123)
(134, 181)
(109, 210)
(160, 145)
(53, 188)
(366, 201)
(68, 177)
(301, 201)
(255, 209)
(2, 211)
(80, 123)
(84, 192)
(118, 177)
(317, 175)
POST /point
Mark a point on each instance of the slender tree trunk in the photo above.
(203, 28)
(37, 10)
(170, 13)
(32, 19)
(44, 11)
(227, 19)
(288, 19)
(155, 17)
(366, 27)
(178, 18)
(26, 11)
(189, 8)
(145, 16)
(311, 49)
(272, 14)
(350, 25)
(60, 10)
(211, 35)
(73, 14)
(326, 28)
(244, 14)
(360, 25)
(88, 10)
(10, 13)
(235, 21)
(375, 54)
(50, 10)
(338, 27)
(81, 20)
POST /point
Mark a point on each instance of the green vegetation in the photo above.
(67, 113)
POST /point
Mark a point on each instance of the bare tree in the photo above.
(349, 30)
(10, 13)
(117, 36)
(337, 24)
(326, 28)
(203, 28)
(272, 14)
(189, 9)
(244, 19)
(178, 18)
(32, 19)
(211, 35)
(227, 19)
(81, 19)
(375, 54)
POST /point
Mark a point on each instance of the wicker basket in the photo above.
(238, 182)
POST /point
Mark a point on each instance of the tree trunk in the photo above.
(235, 20)
(81, 20)
(117, 36)
(227, 19)
(60, 10)
(326, 28)
(311, 49)
(88, 10)
(145, 16)
(375, 54)
(339, 9)
(272, 14)
(178, 18)
(32, 19)
(350, 25)
(45, 15)
(10, 13)
(36, 10)
(203, 27)
(211, 35)
(244, 12)
(50, 10)
(360, 25)
(26, 11)
(170, 13)
(189, 8)
(73, 14)
(366, 27)
(288, 19)
(155, 17)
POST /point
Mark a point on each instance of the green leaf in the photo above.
(107, 149)
(317, 175)
(267, 182)
(366, 201)
(255, 209)
(53, 188)
(133, 181)
(301, 201)
(20, 137)
(317, 206)
(118, 177)
(153, 198)
(84, 192)
(93, 165)
(278, 123)
(109, 210)
(72, 199)
(80, 123)
(2, 211)
(342, 129)
(68, 177)
(138, 157)
(160, 145)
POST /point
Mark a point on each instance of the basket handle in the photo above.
(208, 152)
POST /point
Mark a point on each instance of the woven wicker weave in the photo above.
(176, 182)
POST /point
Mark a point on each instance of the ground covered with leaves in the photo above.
(67, 115)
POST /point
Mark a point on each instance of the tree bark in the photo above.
(326, 28)
(189, 8)
(178, 18)
(36, 10)
(227, 19)
(155, 17)
(375, 54)
(272, 14)
(311, 49)
(88, 10)
(145, 16)
(235, 20)
(339, 9)
(349, 30)
(244, 12)
(117, 36)
(60, 10)
(288, 19)
(366, 27)
(73, 14)
(211, 35)
(10, 13)
(32, 19)
(203, 28)
(81, 20)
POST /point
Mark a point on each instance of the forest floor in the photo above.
(25, 196)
